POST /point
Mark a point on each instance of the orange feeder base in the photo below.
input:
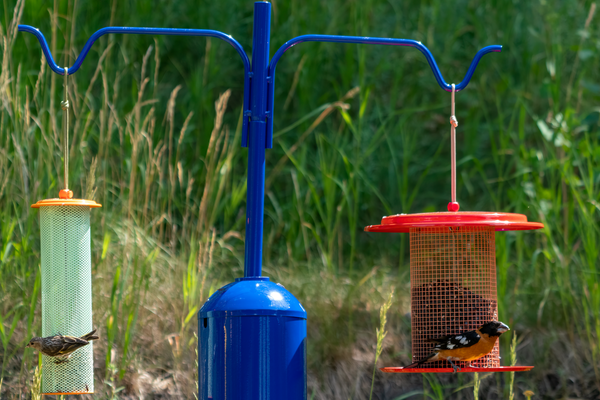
(453, 279)
(63, 394)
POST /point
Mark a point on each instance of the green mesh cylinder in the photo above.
(67, 295)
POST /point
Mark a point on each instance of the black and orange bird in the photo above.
(61, 346)
(466, 346)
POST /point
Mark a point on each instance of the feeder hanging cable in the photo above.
(65, 106)
(453, 205)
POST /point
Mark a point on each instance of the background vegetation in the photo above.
(361, 132)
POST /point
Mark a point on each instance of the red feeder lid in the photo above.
(501, 221)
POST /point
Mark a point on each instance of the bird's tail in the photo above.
(422, 361)
(91, 336)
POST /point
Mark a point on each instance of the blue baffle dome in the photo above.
(252, 332)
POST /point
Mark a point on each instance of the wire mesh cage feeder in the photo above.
(452, 275)
(66, 266)
(67, 290)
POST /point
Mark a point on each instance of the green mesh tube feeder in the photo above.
(67, 290)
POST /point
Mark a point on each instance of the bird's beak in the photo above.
(503, 328)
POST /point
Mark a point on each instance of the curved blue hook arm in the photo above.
(147, 31)
(130, 30)
(368, 40)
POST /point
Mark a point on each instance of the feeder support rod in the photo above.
(65, 106)
(148, 31)
(453, 125)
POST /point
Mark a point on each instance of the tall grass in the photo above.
(381, 334)
(36, 385)
(476, 385)
(363, 133)
(513, 362)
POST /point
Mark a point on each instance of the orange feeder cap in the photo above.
(66, 199)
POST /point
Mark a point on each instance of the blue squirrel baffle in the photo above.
(252, 343)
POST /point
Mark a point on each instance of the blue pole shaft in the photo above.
(255, 197)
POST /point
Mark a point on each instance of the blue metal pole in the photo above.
(256, 141)
(252, 332)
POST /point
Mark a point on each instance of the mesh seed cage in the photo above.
(67, 291)
(453, 278)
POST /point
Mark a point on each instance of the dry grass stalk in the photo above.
(381, 334)
(138, 126)
(513, 362)
(224, 155)
(188, 208)
(220, 107)
(86, 97)
(209, 264)
(170, 120)
(90, 183)
(39, 83)
(36, 386)
(180, 141)
(290, 95)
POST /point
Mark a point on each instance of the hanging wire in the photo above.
(65, 106)
(453, 124)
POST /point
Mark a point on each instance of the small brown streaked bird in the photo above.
(466, 346)
(61, 346)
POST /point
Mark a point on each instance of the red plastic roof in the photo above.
(501, 221)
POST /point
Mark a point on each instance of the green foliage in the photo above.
(363, 132)
(432, 387)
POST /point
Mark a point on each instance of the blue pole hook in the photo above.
(147, 31)
(368, 40)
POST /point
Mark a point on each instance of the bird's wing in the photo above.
(70, 344)
(452, 342)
